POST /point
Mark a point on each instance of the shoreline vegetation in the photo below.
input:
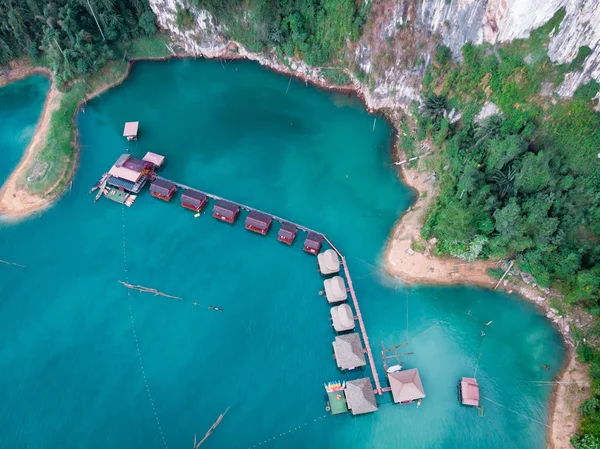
(419, 265)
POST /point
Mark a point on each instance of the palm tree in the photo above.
(433, 106)
(488, 129)
(505, 180)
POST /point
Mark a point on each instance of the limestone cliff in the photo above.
(400, 37)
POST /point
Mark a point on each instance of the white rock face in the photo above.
(456, 22)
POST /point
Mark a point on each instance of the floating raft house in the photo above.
(287, 233)
(226, 211)
(342, 317)
(335, 289)
(329, 262)
(406, 386)
(468, 389)
(258, 222)
(193, 200)
(348, 351)
(313, 242)
(360, 396)
(129, 173)
(163, 189)
(155, 159)
(131, 130)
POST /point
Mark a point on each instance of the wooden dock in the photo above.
(242, 206)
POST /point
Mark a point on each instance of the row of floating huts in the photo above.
(127, 177)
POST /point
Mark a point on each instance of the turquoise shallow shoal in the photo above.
(21, 103)
(88, 363)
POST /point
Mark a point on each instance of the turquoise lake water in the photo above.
(87, 363)
(21, 103)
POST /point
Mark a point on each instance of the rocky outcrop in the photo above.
(400, 38)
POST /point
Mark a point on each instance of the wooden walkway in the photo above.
(363, 330)
(361, 323)
(242, 206)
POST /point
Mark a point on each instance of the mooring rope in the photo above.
(135, 336)
(514, 411)
(287, 432)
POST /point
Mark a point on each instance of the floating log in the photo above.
(143, 289)
(211, 430)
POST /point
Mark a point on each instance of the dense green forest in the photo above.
(312, 30)
(524, 183)
(72, 37)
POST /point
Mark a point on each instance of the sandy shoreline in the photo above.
(420, 267)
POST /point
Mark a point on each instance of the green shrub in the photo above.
(184, 18)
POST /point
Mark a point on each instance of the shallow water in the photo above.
(72, 374)
(21, 103)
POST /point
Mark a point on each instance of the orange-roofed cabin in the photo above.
(313, 243)
(287, 233)
(193, 200)
(226, 211)
(258, 222)
(162, 189)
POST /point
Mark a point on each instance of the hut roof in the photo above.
(258, 219)
(335, 289)
(131, 129)
(360, 396)
(127, 185)
(342, 317)
(285, 226)
(313, 240)
(469, 389)
(349, 353)
(154, 158)
(162, 186)
(226, 208)
(329, 262)
(194, 195)
(127, 168)
(406, 385)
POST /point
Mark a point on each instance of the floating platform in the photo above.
(287, 233)
(226, 211)
(193, 200)
(337, 402)
(162, 189)
(468, 391)
(120, 196)
(258, 222)
(130, 131)
(313, 243)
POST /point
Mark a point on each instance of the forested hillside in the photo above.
(72, 37)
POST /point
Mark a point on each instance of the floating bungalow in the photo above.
(342, 318)
(163, 189)
(155, 159)
(131, 130)
(193, 200)
(329, 262)
(468, 391)
(258, 222)
(335, 289)
(360, 397)
(313, 242)
(287, 233)
(348, 351)
(226, 211)
(129, 173)
(406, 386)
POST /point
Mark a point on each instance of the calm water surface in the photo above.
(21, 103)
(88, 363)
